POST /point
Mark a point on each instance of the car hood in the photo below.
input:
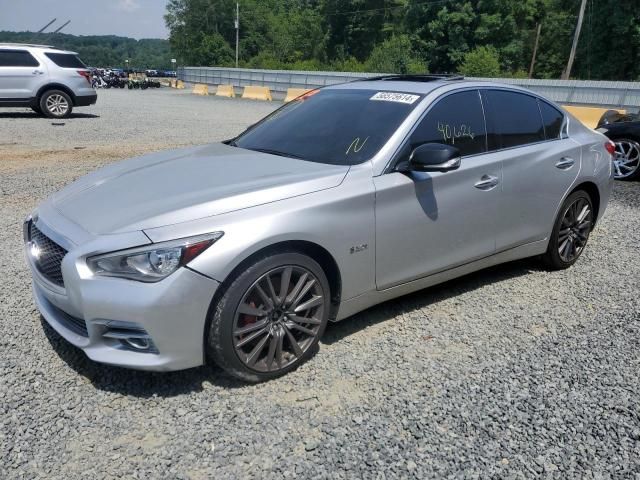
(187, 184)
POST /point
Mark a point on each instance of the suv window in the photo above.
(456, 120)
(513, 119)
(17, 58)
(66, 60)
(552, 120)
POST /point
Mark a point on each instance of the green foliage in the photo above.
(411, 36)
(395, 36)
(481, 62)
(103, 51)
(395, 56)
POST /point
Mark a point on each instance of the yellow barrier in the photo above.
(179, 84)
(200, 89)
(226, 91)
(257, 93)
(589, 116)
(293, 93)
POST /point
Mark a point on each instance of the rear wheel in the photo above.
(56, 104)
(271, 317)
(570, 232)
(626, 159)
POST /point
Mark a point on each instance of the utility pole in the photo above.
(237, 31)
(535, 49)
(567, 72)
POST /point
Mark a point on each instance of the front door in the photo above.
(430, 222)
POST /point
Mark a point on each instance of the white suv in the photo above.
(49, 80)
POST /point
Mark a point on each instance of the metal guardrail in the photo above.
(571, 92)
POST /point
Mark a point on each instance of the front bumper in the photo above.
(89, 309)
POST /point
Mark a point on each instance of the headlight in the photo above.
(154, 262)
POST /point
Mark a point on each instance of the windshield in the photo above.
(340, 127)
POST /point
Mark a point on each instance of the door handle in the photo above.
(487, 182)
(565, 163)
(37, 72)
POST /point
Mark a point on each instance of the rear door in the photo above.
(20, 74)
(540, 163)
(430, 222)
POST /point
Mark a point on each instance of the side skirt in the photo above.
(16, 102)
(366, 300)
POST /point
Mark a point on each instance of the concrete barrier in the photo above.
(589, 116)
(172, 83)
(179, 84)
(293, 93)
(225, 91)
(257, 93)
(200, 89)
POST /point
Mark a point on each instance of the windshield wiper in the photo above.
(276, 152)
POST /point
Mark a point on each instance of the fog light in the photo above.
(137, 343)
(129, 336)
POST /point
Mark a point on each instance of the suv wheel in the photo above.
(37, 109)
(56, 104)
(270, 318)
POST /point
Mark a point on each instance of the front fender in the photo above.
(336, 219)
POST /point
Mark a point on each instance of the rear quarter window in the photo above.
(66, 60)
(552, 120)
(17, 58)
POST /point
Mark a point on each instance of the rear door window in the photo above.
(66, 60)
(552, 120)
(17, 58)
(513, 119)
(455, 120)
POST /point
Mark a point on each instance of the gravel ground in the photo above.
(513, 372)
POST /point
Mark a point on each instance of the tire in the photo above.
(37, 109)
(56, 104)
(570, 232)
(626, 160)
(269, 329)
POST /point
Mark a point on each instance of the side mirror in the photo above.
(434, 157)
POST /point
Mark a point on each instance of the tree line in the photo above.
(473, 37)
(103, 51)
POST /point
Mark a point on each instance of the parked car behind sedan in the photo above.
(49, 80)
(241, 252)
(624, 131)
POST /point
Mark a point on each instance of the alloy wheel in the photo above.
(574, 230)
(278, 318)
(626, 159)
(57, 105)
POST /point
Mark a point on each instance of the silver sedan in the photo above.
(241, 252)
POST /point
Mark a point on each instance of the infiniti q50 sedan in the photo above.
(240, 252)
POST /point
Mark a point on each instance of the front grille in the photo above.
(46, 255)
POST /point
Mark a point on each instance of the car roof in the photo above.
(49, 48)
(422, 84)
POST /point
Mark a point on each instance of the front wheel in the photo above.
(270, 318)
(56, 104)
(570, 232)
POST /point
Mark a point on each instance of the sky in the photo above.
(128, 18)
